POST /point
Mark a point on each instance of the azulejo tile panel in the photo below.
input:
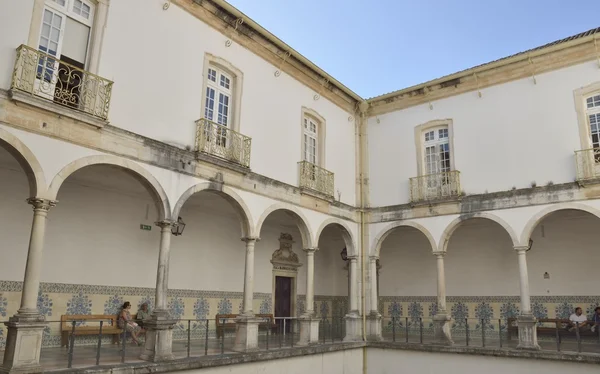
(56, 299)
(477, 313)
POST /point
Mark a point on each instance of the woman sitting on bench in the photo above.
(126, 322)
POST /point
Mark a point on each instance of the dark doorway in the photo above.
(283, 301)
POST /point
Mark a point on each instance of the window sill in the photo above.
(61, 110)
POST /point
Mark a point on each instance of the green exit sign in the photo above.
(145, 227)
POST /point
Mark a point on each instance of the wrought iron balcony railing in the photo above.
(49, 78)
(315, 178)
(435, 186)
(220, 141)
(587, 162)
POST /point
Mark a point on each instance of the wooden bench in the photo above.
(555, 324)
(109, 326)
(225, 322)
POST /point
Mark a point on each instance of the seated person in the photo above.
(578, 318)
(143, 314)
(596, 320)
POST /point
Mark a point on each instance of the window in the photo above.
(313, 137)
(434, 147)
(437, 151)
(217, 107)
(592, 105)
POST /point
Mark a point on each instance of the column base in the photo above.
(246, 333)
(159, 337)
(309, 330)
(527, 332)
(374, 321)
(23, 343)
(353, 327)
(441, 329)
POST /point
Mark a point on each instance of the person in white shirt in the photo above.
(578, 318)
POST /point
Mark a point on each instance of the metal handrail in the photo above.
(435, 186)
(316, 178)
(223, 142)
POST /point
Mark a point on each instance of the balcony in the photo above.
(315, 178)
(438, 186)
(220, 141)
(44, 76)
(587, 163)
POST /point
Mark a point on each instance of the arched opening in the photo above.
(407, 279)
(482, 277)
(101, 243)
(206, 275)
(280, 274)
(332, 278)
(561, 262)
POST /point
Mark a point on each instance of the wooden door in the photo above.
(283, 301)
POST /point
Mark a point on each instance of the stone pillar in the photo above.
(441, 320)
(526, 320)
(353, 320)
(374, 318)
(159, 327)
(26, 328)
(309, 323)
(246, 333)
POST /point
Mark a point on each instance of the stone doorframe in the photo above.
(285, 264)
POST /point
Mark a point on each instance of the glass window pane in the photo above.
(56, 21)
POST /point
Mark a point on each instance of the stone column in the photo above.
(353, 321)
(159, 327)
(26, 328)
(246, 334)
(309, 323)
(526, 320)
(374, 318)
(441, 320)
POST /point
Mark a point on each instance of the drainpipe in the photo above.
(363, 107)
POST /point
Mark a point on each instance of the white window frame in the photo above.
(311, 116)
(236, 85)
(96, 22)
(421, 144)
(221, 90)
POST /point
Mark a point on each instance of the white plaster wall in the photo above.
(408, 267)
(396, 361)
(15, 19)
(159, 94)
(512, 124)
(342, 362)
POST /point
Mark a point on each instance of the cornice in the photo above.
(524, 65)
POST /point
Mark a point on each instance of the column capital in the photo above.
(39, 203)
(310, 250)
(373, 258)
(521, 249)
(439, 254)
(353, 258)
(165, 224)
(250, 239)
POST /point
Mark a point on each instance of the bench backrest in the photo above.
(229, 319)
(110, 320)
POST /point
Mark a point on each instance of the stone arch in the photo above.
(449, 230)
(228, 194)
(301, 221)
(28, 162)
(536, 219)
(142, 175)
(346, 234)
(388, 230)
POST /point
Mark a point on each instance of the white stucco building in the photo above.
(120, 136)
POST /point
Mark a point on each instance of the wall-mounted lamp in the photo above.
(344, 254)
(530, 245)
(546, 275)
(177, 229)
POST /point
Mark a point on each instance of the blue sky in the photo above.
(378, 46)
